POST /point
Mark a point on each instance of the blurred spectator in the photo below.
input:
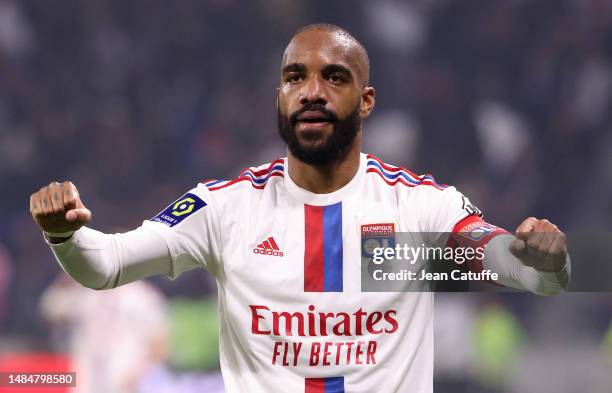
(15, 31)
(115, 337)
(393, 134)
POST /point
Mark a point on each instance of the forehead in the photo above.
(322, 47)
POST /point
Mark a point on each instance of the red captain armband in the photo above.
(472, 234)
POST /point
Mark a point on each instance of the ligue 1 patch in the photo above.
(179, 210)
(375, 236)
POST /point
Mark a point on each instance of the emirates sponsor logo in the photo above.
(340, 337)
(313, 323)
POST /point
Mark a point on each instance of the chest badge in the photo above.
(375, 236)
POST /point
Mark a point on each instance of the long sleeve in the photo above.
(451, 209)
(513, 273)
(102, 261)
(180, 238)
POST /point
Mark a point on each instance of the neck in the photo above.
(325, 179)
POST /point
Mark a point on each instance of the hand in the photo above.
(540, 244)
(58, 208)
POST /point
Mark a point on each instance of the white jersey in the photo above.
(293, 317)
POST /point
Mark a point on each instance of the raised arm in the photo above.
(535, 258)
(94, 259)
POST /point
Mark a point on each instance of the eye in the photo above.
(293, 78)
(336, 78)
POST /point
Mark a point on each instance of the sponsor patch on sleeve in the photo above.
(179, 210)
(476, 229)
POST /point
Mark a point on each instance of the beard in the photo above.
(333, 149)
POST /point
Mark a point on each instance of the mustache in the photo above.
(331, 115)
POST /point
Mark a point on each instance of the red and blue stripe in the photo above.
(393, 175)
(323, 250)
(325, 385)
(257, 177)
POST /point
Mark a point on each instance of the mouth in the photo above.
(313, 119)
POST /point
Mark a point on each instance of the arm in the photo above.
(535, 260)
(514, 273)
(102, 261)
(95, 259)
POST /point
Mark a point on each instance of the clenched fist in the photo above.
(57, 208)
(540, 244)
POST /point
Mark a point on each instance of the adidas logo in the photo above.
(268, 247)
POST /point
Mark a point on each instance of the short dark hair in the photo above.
(339, 30)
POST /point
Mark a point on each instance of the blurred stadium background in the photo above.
(136, 101)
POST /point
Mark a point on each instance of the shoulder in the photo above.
(400, 177)
(438, 206)
(249, 179)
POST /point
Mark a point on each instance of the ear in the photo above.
(278, 100)
(367, 101)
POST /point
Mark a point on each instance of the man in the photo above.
(283, 241)
(135, 317)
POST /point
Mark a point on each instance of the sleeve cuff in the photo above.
(67, 243)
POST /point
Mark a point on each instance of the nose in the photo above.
(313, 92)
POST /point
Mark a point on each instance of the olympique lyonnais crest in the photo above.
(375, 236)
